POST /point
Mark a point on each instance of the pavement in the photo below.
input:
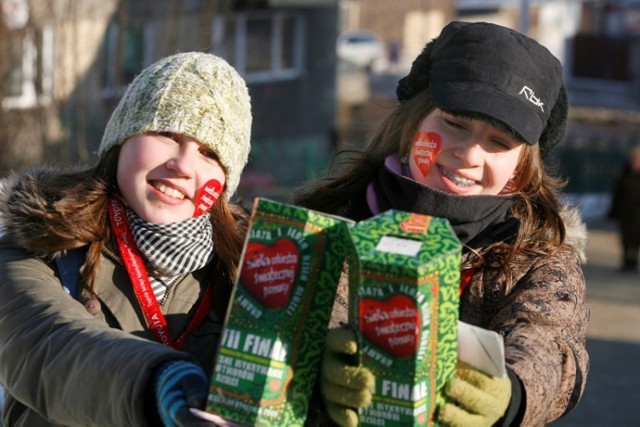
(613, 340)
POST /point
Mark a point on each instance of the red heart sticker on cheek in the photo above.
(426, 146)
(269, 272)
(391, 325)
(207, 196)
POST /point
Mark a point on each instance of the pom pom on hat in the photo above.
(196, 94)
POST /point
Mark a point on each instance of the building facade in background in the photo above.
(64, 65)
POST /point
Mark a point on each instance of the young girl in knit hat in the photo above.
(159, 241)
(479, 112)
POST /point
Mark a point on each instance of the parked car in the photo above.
(361, 47)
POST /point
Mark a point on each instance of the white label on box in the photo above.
(396, 245)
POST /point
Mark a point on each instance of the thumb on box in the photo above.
(345, 385)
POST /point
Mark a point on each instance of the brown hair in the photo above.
(542, 230)
(536, 190)
(78, 217)
(350, 171)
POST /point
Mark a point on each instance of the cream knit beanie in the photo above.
(196, 94)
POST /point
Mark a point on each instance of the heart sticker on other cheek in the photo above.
(269, 272)
(207, 196)
(391, 325)
(426, 146)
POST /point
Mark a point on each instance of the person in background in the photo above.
(479, 114)
(625, 209)
(160, 241)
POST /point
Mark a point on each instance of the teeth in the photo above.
(171, 192)
(457, 179)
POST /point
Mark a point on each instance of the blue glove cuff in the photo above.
(179, 384)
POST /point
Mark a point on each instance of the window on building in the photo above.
(123, 57)
(29, 79)
(262, 46)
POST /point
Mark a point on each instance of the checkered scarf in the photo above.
(174, 249)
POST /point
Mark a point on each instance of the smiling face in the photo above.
(160, 175)
(462, 156)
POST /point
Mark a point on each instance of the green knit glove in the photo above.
(345, 386)
(474, 399)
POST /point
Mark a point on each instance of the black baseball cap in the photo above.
(489, 69)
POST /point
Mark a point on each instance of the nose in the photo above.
(183, 161)
(469, 152)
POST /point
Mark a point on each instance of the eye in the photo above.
(455, 123)
(502, 144)
(169, 135)
(209, 154)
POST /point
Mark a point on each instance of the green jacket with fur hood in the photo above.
(61, 365)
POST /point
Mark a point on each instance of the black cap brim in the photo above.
(476, 97)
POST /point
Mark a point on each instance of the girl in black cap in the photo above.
(479, 113)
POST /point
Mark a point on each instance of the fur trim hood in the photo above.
(24, 208)
(577, 234)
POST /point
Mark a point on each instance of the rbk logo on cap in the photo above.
(531, 96)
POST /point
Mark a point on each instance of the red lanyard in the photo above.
(142, 286)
